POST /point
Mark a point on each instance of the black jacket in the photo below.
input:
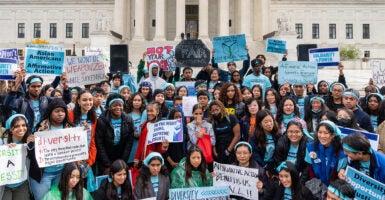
(104, 139)
(276, 192)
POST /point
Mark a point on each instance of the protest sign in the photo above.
(41, 61)
(12, 165)
(8, 63)
(193, 53)
(230, 48)
(197, 193)
(172, 130)
(46, 47)
(365, 186)
(61, 146)
(325, 57)
(190, 87)
(378, 69)
(276, 46)
(85, 70)
(297, 72)
(163, 56)
(242, 181)
(188, 104)
(373, 138)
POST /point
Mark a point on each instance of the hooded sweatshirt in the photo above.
(156, 81)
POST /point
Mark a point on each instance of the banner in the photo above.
(325, 57)
(172, 130)
(8, 63)
(12, 165)
(164, 56)
(46, 47)
(297, 72)
(41, 61)
(84, 70)
(242, 181)
(197, 193)
(373, 138)
(365, 186)
(378, 69)
(193, 53)
(276, 46)
(230, 48)
(60, 146)
(190, 87)
(188, 104)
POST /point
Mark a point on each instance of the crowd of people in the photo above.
(243, 117)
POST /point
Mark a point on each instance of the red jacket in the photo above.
(143, 149)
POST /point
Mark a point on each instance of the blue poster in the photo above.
(365, 186)
(372, 137)
(230, 48)
(325, 57)
(8, 63)
(10, 54)
(297, 72)
(276, 46)
(40, 61)
(196, 193)
(46, 47)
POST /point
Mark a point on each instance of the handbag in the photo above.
(204, 144)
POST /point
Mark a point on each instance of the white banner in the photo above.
(172, 130)
(61, 146)
(85, 70)
(12, 165)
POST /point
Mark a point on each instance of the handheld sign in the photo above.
(325, 57)
(172, 130)
(276, 46)
(193, 53)
(188, 104)
(163, 55)
(85, 70)
(372, 137)
(197, 193)
(60, 146)
(46, 47)
(378, 70)
(230, 48)
(365, 186)
(242, 181)
(8, 63)
(41, 61)
(12, 165)
(297, 72)
(190, 87)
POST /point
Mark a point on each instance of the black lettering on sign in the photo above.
(192, 53)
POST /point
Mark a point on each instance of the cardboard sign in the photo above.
(12, 165)
(193, 53)
(197, 193)
(378, 70)
(172, 130)
(242, 181)
(8, 63)
(325, 57)
(41, 61)
(373, 138)
(365, 186)
(297, 72)
(230, 48)
(188, 104)
(164, 56)
(60, 146)
(276, 46)
(85, 70)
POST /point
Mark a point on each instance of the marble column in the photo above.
(244, 15)
(203, 19)
(180, 18)
(160, 17)
(139, 20)
(223, 17)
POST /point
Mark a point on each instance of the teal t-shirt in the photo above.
(270, 147)
(292, 155)
(365, 167)
(287, 194)
(155, 184)
(116, 125)
(36, 111)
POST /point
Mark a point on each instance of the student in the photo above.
(256, 77)
(231, 99)
(289, 186)
(313, 114)
(146, 91)
(350, 101)
(159, 97)
(288, 111)
(272, 100)
(346, 118)
(117, 186)
(237, 79)
(373, 104)
(154, 78)
(340, 190)
(17, 132)
(182, 91)
(169, 92)
(98, 95)
(153, 180)
(249, 121)
(246, 94)
(114, 134)
(203, 98)
(192, 171)
(70, 185)
(41, 179)
(116, 83)
(334, 99)
(257, 92)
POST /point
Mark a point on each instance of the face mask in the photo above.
(344, 122)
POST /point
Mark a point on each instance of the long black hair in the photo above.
(296, 186)
(65, 178)
(201, 168)
(145, 174)
(91, 115)
(111, 190)
(8, 133)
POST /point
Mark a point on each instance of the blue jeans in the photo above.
(47, 180)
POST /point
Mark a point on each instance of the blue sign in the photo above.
(230, 48)
(372, 137)
(195, 193)
(325, 57)
(8, 63)
(40, 61)
(10, 54)
(46, 47)
(299, 73)
(276, 46)
(365, 186)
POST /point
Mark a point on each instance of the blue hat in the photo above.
(122, 87)
(152, 155)
(145, 84)
(11, 118)
(164, 86)
(145, 71)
